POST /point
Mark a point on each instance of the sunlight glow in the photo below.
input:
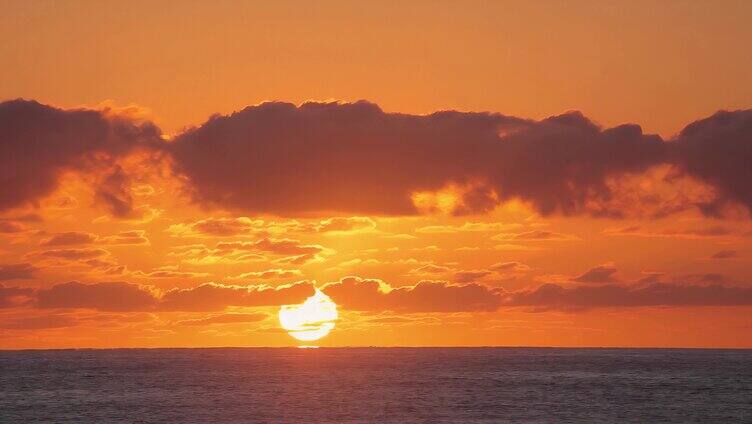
(310, 320)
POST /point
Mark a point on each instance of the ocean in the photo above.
(376, 385)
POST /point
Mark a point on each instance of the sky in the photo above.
(481, 173)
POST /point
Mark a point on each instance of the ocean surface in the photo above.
(376, 385)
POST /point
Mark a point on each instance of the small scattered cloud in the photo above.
(346, 224)
(73, 254)
(216, 297)
(430, 269)
(467, 227)
(125, 238)
(218, 227)
(429, 248)
(70, 238)
(37, 322)
(468, 276)
(553, 296)
(116, 296)
(509, 267)
(269, 274)
(11, 297)
(359, 294)
(725, 254)
(534, 235)
(599, 274)
(11, 227)
(222, 319)
(19, 271)
(130, 297)
(714, 231)
(169, 272)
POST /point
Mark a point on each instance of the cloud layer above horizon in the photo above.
(446, 228)
(282, 159)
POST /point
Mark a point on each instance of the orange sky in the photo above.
(120, 225)
(659, 64)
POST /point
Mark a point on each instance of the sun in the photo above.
(310, 320)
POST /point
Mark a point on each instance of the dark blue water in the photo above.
(349, 385)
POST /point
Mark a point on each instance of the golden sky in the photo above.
(483, 173)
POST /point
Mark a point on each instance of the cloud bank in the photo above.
(283, 159)
(130, 297)
(372, 295)
(39, 142)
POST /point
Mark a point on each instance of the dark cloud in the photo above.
(718, 150)
(114, 192)
(280, 158)
(504, 267)
(41, 322)
(14, 296)
(269, 274)
(297, 259)
(468, 276)
(106, 266)
(169, 273)
(73, 254)
(353, 157)
(358, 294)
(273, 246)
(27, 217)
(533, 235)
(125, 238)
(39, 142)
(390, 320)
(341, 224)
(325, 156)
(129, 297)
(686, 233)
(69, 239)
(215, 297)
(651, 277)
(116, 296)
(552, 296)
(711, 277)
(599, 274)
(10, 227)
(224, 226)
(562, 164)
(725, 254)
(430, 269)
(225, 319)
(228, 227)
(22, 271)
